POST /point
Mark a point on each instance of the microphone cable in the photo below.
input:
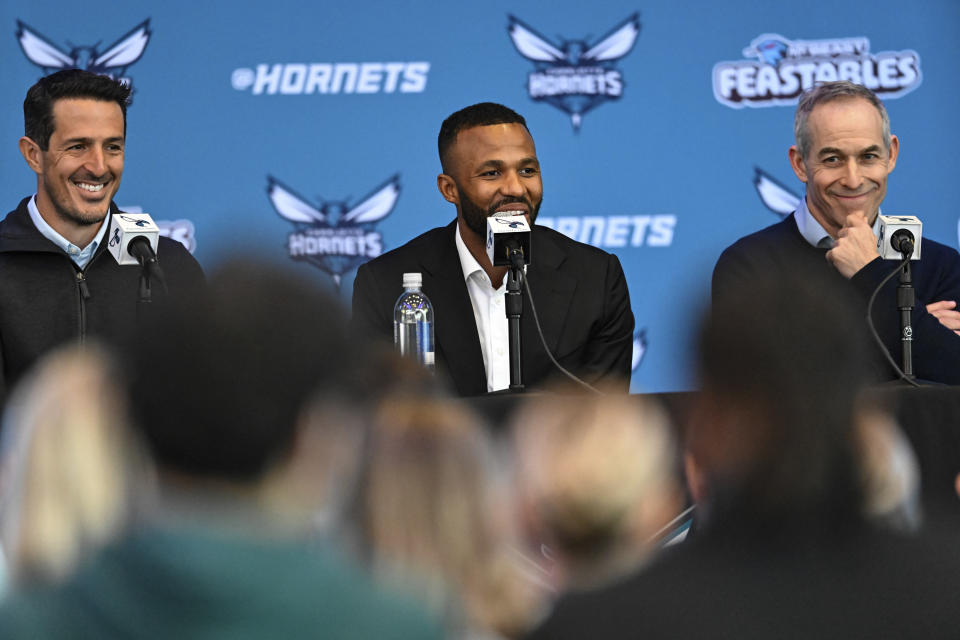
(543, 340)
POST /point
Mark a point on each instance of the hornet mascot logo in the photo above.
(777, 197)
(639, 348)
(575, 76)
(513, 224)
(334, 236)
(113, 61)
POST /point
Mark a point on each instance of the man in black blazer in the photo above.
(490, 166)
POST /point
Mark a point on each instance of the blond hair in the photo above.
(426, 514)
(598, 475)
(66, 470)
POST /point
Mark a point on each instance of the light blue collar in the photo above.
(811, 230)
(80, 257)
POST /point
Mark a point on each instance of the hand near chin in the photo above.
(946, 312)
(855, 246)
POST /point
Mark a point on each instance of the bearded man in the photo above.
(490, 166)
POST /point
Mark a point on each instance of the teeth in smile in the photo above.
(86, 186)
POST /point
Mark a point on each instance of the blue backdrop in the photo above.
(658, 124)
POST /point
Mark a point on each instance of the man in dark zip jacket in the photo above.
(57, 285)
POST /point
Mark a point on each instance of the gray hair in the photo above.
(828, 92)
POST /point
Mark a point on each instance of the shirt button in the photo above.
(499, 351)
(73, 251)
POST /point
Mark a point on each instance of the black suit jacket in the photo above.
(579, 291)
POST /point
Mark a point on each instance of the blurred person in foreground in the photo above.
(888, 467)
(596, 482)
(429, 515)
(69, 469)
(784, 548)
(231, 399)
(889, 471)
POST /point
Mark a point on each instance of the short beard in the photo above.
(72, 216)
(475, 217)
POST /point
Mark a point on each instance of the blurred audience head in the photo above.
(597, 481)
(231, 387)
(69, 468)
(781, 367)
(426, 515)
(889, 471)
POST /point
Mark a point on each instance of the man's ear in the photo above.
(796, 163)
(448, 189)
(32, 153)
(893, 153)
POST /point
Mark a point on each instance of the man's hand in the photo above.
(946, 312)
(855, 247)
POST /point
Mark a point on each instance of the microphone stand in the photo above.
(514, 308)
(905, 303)
(140, 249)
(144, 285)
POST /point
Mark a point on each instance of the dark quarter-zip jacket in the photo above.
(47, 301)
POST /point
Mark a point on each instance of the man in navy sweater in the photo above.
(844, 152)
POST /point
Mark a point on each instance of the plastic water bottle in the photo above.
(413, 322)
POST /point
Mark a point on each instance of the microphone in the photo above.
(899, 237)
(508, 239)
(133, 238)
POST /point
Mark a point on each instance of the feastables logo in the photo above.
(781, 69)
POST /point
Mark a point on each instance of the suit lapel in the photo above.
(552, 291)
(455, 329)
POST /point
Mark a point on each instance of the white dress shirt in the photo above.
(490, 315)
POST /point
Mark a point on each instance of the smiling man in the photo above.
(490, 165)
(57, 284)
(844, 153)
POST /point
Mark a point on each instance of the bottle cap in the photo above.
(411, 280)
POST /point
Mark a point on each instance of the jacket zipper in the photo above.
(84, 296)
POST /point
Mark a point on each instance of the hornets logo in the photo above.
(639, 349)
(776, 196)
(111, 61)
(334, 236)
(573, 75)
